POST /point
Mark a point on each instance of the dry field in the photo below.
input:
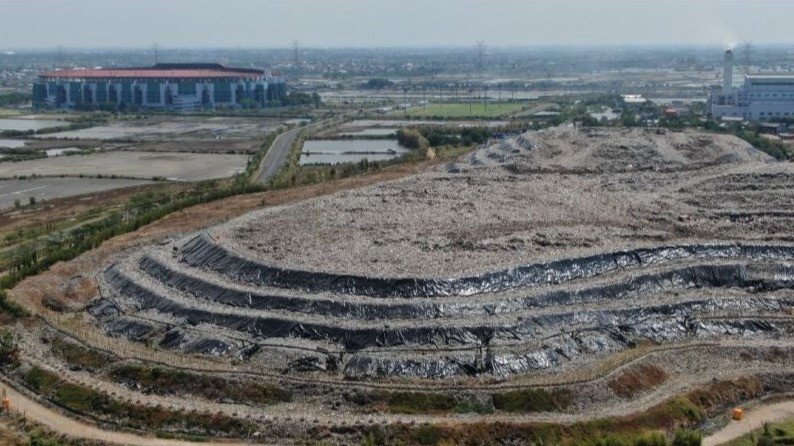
(175, 166)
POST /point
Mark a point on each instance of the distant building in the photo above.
(162, 86)
(772, 128)
(633, 99)
(761, 97)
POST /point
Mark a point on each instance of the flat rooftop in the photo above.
(159, 71)
(770, 78)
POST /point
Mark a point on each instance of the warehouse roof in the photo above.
(770, 78)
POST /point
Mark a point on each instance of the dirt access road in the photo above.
(72, 428)
(753, 419)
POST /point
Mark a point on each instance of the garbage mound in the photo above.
(532, 317)
(550, 250)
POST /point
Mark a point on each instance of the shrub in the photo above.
(651, 439)
(9, 353)
(428, 434)
(532, 400)
(416, 403)
(687, 437)
(412, 139)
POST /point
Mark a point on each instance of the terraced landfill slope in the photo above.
(541, 255)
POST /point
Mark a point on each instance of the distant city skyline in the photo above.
(330, 24)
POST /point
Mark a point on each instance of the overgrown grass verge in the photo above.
(779, 433)
(76, 355)
(167, 381)
(163, 380)
(95, 404)
(533, 400)
(661, 425)
(637, 379)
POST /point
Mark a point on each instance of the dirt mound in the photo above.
(619, 150)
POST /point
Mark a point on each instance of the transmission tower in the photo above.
(480, 54)
(296, 52)
(154, 52)
(747, 50)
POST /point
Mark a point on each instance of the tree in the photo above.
(628, 118)
(377, 83)
(412, 139)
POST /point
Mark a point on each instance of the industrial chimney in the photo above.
(727, 72)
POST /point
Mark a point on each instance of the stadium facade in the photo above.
(162, 86)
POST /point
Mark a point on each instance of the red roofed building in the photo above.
(164, 86)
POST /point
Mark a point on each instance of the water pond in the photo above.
(349, 151)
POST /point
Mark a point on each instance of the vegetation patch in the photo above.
(163, 380)
(9, 352)
(87, 401)
(667, 423)
(420, 403)
(471, 109)
(774, 148)
(638, 379)
(417, 403)
(780, 433)
(79, 356)
(721, 395)
(533, 400)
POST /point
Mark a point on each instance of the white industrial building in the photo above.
(761, 97)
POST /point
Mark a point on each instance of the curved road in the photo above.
(72, 428)
(753, 419)
(277, 155)
(62, 424)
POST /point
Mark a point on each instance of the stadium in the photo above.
(162, 86)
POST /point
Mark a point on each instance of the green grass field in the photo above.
(462, 110)
(782, 432)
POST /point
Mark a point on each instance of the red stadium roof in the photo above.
(151, 73)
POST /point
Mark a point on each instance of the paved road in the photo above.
(77, 429)
(753, 419)
(277, 155)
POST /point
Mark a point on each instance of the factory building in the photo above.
(762, 97)
(162, 86)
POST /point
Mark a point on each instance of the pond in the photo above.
(61, 151)
(349, 151)
(12, 143)
(371, 132)
(28, 124)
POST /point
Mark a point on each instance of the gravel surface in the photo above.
(555, 200)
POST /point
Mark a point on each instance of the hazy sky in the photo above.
(47, 24)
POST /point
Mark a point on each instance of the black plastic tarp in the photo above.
(202, 252)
